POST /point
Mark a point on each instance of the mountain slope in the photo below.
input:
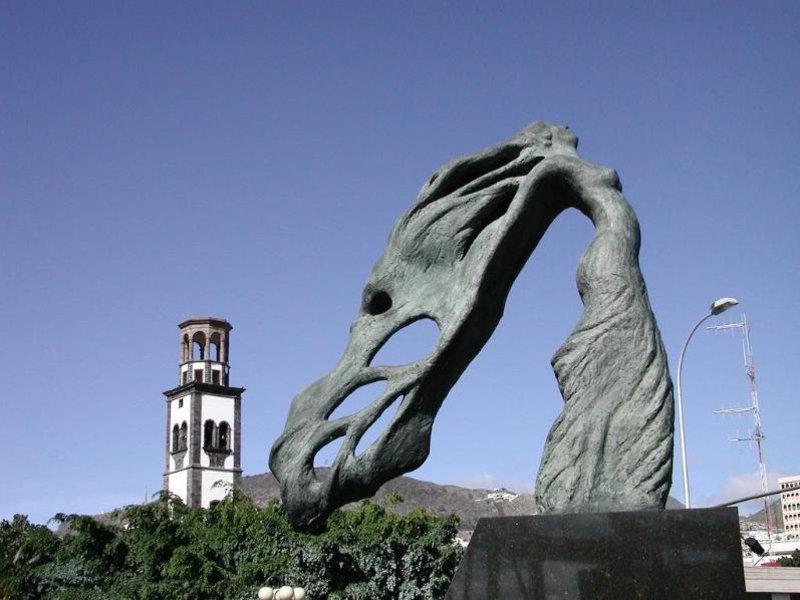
(469, 504)
(760, 516)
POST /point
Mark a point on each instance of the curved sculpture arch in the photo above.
(452, 257)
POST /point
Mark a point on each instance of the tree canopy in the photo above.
(791, 561)
(166, 550)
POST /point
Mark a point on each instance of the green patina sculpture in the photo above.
(452, 257)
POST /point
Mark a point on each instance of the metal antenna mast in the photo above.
(757, 435)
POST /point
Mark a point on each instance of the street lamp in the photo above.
(284, 593)
(718, 307)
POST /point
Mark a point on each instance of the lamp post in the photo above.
(284, 593)
(718, 307)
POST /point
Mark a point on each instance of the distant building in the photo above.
(203, 441)
(790, 504)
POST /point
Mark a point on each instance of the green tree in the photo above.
(165, 550)
(791, 561)
(24, 549)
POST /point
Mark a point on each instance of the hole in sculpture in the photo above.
(378, 427)
(358, 399)
(326, 455)
(413, 342)
(379, 303)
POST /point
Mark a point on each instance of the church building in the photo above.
(203, 441)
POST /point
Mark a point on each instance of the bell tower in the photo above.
(203, 441)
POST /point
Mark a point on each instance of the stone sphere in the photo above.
(285, 593)
(266, 593)
(299, 594)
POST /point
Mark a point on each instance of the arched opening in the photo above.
(214, 349)
(224, 436)
(542, 302)
(175, 438)
(208, 434)
(198, 346)
(185, 348)
(183, 443)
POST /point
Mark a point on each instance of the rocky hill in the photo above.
(761, 518)
(469, 504)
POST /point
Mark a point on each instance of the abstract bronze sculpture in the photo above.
(452, 257)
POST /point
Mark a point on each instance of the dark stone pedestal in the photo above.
(670, 554)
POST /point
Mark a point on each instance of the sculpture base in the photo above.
(641, 554)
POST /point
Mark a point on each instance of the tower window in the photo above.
(215, 377)
(198, 375)
(208, 434)
(214, 347)
(183, 442)
(224, 436)
(180, 403)
(216, 438)
(198, 346)
(175, 438)
(185, 375)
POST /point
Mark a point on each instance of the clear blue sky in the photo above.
(246, 160)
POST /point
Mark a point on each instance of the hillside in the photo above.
(760, 516)
(469, 504)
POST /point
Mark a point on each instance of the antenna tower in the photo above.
(757, 434)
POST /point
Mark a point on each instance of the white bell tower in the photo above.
(203, 442)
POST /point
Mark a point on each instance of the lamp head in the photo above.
(753, 544)
(723, 304)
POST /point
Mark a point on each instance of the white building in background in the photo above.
(203, 441)
(790, 504)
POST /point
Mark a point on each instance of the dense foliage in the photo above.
(791, 561)
(167, 550)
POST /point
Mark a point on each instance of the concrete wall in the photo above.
(178, 482)
(177, 416)
(211, 493)
(203, 365)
